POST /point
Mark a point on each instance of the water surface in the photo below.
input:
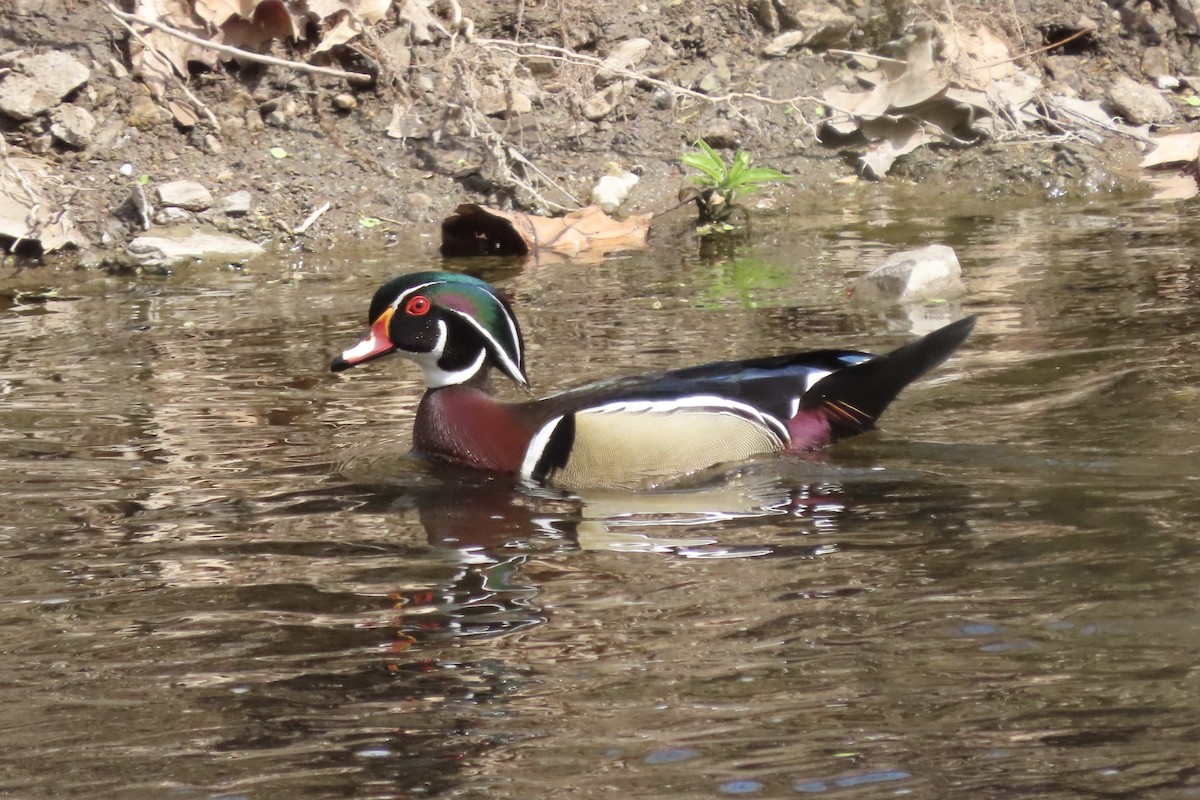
(223, 577)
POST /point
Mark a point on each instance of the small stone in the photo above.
(40, 145)
(625, 55)
(1138, 103)
(72, 125)
(190, 195)
(144, 113)
(1156, 62)
(601, 104)
(931, 272)
(236, 204)
(710, 83)
(766, 14)
(40, 83)
(807, 26)
(170, 215)
(345, 102)
(423, 83)
(126, 170)
(662, 99)
(212, 145)
(611, 191)
(1168, 83)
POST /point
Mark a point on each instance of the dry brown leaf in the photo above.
(1174, 149)
(978, 57)
(475, 230)
(270, 20)
(185, 116)
(215, 12)
(892, 139)
(26, 211)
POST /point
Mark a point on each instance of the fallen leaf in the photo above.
(474, 230)
(278, 152)
(27, 211)
(1174, 149)
(406, 123)
(184, 115)
(893, 138)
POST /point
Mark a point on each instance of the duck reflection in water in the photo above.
(490, 532)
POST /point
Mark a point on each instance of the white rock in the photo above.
(611, 190)
(931, 272)
(624, 56)
(1138, 103)
(185, 243)
(190, 195)
(237, 203)
(601, 104)
(42, 82)
(72, 125)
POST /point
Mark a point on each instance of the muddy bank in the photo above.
(526, 105)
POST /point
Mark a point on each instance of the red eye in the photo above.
(417, 306)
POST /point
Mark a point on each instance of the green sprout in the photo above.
(718, 186)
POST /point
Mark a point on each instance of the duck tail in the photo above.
(852, 399)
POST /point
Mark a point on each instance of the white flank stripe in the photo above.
(537, 446)
(693, 402)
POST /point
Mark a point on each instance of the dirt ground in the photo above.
(441, 124)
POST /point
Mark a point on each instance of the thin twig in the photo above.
(236, 52)
(860, 54)
(1029, 53)
(313, 217)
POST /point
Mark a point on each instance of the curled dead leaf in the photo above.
(474, 230)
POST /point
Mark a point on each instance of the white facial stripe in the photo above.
(537, 445)
(699, 401)
(404, 295)
(435, 376)
(512, 368)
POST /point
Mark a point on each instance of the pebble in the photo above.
(143, 113)
(237, 203)
(72, 125)
(1138, 103)
(601, 104)
(190, 195)
(611, 191)
(345, 102)
(39, 83)
(625, 55)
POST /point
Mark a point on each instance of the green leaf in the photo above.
(278, 152)
(708, 163)
(369, 222)
(1194, 100)
(143, 179)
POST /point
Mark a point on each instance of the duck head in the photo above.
(455, 327)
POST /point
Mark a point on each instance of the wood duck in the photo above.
(627, 431)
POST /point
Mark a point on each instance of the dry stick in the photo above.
(183, 86)
(313, 217)
(571, 57)
(236, 52)
(1026, 54)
